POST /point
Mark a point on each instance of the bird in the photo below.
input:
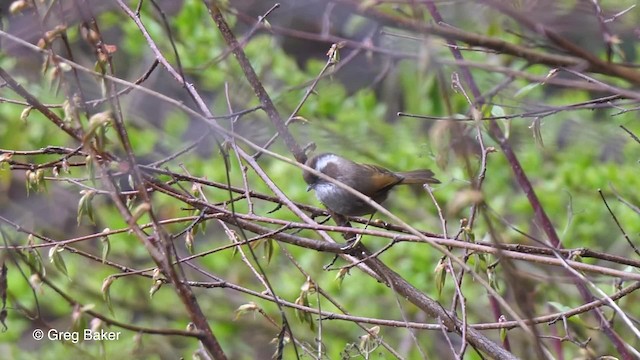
(371, 180)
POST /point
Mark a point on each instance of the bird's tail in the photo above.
(418, 177)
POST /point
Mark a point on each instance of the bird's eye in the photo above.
(309, 178)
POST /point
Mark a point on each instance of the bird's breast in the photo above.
(343, 202)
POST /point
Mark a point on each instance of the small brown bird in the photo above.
(371, 180)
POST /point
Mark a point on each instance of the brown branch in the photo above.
(501, 46)
(254, 81)
(35, 103)
(594, 63)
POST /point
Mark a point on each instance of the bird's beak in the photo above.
(309, 188)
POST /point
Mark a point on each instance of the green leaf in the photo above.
(85, 207)
(188, 241)
(525, 90)
(106, 292)
(154, 289)
(91, 168)
(268, 249)
(497, 111)
(106, 247)
(57, 260)
(441, 276)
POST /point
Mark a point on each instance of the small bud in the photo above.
(17, 7)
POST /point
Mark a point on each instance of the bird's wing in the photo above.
(382, 178)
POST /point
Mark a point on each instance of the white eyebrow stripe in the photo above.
(325, 160)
